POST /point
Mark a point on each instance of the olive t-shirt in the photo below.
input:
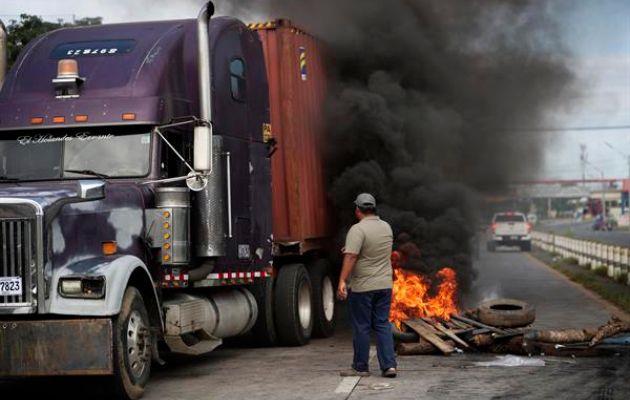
(371, 239)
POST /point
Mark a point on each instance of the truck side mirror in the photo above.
(90, 190)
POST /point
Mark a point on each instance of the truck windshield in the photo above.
(70, 154)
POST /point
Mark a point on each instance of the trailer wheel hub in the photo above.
(328, 298)
(304, 304)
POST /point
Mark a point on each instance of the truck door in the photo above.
(230, 119)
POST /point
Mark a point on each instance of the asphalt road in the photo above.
(584, 230)
(311, 372)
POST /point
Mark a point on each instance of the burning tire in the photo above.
(506, 313)
(264, 332)
(293, 305)
(323, 298)
(132, 347)
(404, 337)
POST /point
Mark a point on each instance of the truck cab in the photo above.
(136, 203)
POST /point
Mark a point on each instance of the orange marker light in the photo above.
(67, 68)
(166, 214)
(166, 225)
(166, 246)
(110, 248)
(59, 120)
(129, 116)
(37, 120)
(166, 257)
(80, 118)
(167, 236)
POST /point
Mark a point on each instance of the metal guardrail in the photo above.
(615, 259)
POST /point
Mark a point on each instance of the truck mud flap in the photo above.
(56, 347)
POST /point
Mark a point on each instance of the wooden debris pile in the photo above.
(465, 333)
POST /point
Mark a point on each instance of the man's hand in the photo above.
(342, 291)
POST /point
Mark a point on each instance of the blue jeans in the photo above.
(370, 311)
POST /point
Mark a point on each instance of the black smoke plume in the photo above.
(428, 106)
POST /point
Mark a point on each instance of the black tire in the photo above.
(293, 305)
(526, 246)
(264, 332)
(323, 282)
(506, 313)
(491, 246)
(404, 337)
(132, 347)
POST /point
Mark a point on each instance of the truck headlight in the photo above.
(82, 287)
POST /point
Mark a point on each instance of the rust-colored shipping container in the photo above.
(296, 73)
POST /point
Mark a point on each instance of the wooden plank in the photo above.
(447, 332)
(427, 332)
(478, 324)
(459, 324)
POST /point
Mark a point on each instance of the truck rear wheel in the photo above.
(132, 347)
(293, 305)
(264, 331)
(323, 298)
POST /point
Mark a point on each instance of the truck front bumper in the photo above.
(56, 347)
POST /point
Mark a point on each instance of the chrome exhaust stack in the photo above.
(203, 131)
(3, 53)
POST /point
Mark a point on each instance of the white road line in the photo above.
(348, 383)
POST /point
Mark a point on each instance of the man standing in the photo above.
(367, 262)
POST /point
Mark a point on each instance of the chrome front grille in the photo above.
(17, 257)
(21, 253)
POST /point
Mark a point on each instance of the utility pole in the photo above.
(604, 188)
(583, 161)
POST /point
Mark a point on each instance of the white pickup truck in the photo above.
(510, 229)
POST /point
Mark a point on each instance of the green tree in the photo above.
(31, 26)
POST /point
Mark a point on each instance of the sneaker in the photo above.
(353, 372)
(389, 373)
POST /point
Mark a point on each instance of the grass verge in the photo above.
(596, 281)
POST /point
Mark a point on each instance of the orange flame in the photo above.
(410, 298)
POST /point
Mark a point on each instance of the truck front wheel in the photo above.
(132, 347)
(293, 303)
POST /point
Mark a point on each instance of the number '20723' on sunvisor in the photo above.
(93, 48)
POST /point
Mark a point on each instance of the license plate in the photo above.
(11, 286)
(513, 237)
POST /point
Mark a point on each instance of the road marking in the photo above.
(348, 383)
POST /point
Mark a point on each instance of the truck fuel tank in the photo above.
(196, 324)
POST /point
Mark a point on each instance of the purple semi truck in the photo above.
(136, 203)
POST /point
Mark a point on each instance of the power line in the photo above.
(577, 128)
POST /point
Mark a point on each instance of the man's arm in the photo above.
(349, 261)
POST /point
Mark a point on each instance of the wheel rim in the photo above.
(137, 344)
(328, 298)
(304, 304)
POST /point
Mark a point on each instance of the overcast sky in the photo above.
(596, 31)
